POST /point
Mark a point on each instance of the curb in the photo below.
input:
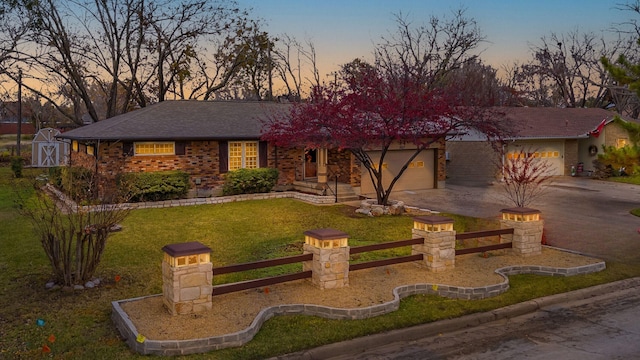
(569, 299)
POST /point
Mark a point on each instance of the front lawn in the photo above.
(236, 232)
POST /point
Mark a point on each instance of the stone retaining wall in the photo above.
(182, 347)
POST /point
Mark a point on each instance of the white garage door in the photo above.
(419, 175)
(549, 151)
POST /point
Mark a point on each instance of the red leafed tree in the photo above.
(372, 110)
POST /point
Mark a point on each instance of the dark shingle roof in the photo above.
(542, 122)
(183, 120)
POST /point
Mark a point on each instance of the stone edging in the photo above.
(309, 198)
(182, 347)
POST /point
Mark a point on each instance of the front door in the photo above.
(310, 163)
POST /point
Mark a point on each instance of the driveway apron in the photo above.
(581, 214)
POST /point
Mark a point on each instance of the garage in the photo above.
(420, 174)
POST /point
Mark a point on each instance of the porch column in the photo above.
(321, 163)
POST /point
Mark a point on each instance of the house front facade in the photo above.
(569, 139)
(206, 139)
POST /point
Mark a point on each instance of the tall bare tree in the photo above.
(429, 51)
(565, 69)
(133, 51)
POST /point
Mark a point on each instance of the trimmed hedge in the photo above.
(154, 186)
(249, 181)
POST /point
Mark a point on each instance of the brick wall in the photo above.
(570, 155)
(472, 161)
(201, 161)
(288, 162)
(339, 163)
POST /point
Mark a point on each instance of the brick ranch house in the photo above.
(565, 137)
(207, 139)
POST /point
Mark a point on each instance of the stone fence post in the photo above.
(527, 230)
(187, 278)
(330, 264)
(439, 247)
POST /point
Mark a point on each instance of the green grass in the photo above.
(236, 232)
(626, 179)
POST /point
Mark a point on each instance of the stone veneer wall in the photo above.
(187, 289)
(613, 132)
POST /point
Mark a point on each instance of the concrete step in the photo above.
(345, 191)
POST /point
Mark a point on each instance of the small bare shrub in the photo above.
(525, 175)
(73, 236)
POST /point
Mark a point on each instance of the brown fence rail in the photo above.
(250, 284)
(385, 245)
(261, 264)
(385, 262)
(480, 234)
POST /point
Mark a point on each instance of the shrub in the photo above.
(77, 182)
(250, 181)
(613, 159)
(16, 166)
(154, 186)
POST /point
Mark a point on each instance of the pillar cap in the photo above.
(326, 234)
(520, 211)
(433, 219)
(188, 248)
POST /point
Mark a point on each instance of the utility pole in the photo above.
(19, 132)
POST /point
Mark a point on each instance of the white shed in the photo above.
(46, 151)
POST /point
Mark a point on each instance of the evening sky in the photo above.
(342, 30)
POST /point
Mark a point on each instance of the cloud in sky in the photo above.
(346, 29)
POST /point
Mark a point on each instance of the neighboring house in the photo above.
(565, 137)
(206, 139)
(9, 119)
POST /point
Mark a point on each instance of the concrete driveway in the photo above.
(581, 214)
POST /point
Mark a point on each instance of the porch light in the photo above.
(433, 223)
(185, 254)
(326, 238)
(520, 214)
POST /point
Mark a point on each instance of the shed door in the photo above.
(420, 174)
(48, 154)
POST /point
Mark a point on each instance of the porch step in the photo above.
(345, 191)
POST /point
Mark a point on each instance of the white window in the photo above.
(243, 154)
(155, 148)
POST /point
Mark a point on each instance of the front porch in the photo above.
(342, 191)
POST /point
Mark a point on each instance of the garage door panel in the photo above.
(418, 176)
(550, 151)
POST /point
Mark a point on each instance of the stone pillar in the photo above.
(527, 230)
(330, 264)
(187, 278)
(439, 247)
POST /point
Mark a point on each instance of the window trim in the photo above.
(243, 154)
(155, 147)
